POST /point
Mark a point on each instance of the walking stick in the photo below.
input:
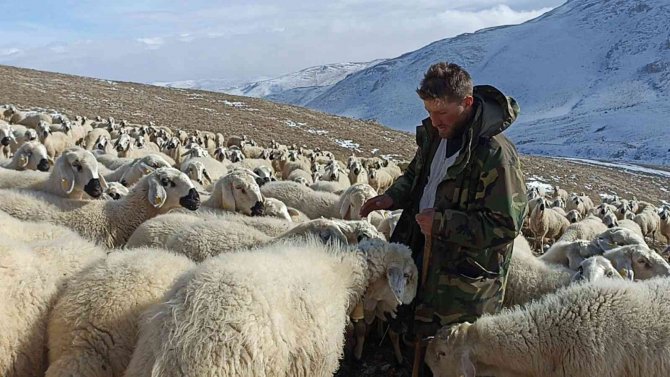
(418, 348)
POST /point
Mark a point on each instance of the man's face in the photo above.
(448, 117)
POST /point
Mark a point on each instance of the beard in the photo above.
(454, 130)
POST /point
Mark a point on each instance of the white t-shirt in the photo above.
(438, 170)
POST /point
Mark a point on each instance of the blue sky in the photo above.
(149, 41)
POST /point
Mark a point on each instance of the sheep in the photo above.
(93, 325)
(196, 171)
(649, 222)
(388, 224)
(327, 186)
(131, 172)
(94, 136)
(275, 207)
(586, 229)
(560, 193)
(664, 223)
(110, 222)
(115, 191)
(29, 118)
(547, 223)
(595, 268)
(611, 221)
(56, 143)
(312, 203)
(637, 262)
(237, 192)
(234, 140)
(380, 180)
(22, 135)
(357, 173)
(33, 275)
(300, 334)
(75, 174)
(300, 173)
(572, 253)
(598, 329)
(573, 216)
(529, 277)
(353, 199)
(577, 203)
(264, 174)
(30, 156)
(200, 238)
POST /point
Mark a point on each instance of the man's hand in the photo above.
(376, 203)
(425, 221)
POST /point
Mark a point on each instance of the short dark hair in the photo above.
(447, 81)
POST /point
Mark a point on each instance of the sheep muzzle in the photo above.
(5, 141)
(93, 188)
(258, 209)
(191, 201)
(43, 165)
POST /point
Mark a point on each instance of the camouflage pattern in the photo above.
(480, 209)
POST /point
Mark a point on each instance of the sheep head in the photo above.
(169, 188)
(78, 168)
(595, 268)
(393, 277)
(448, 353)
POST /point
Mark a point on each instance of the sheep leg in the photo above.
(359, 329)
(395, 342)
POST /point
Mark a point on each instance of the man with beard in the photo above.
(463, 199)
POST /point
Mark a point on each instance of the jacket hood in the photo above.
(497, 111)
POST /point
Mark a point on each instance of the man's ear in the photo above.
(468, 101)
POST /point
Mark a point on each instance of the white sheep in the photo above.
(389, 222)
(637, 262)
(649, 221)
(196, 171)
(357, 173)
(612, 222)
(327, 186)
(110, 222)
(545, 222)
(573, 216)
(664, 223)
(587, 229)
(312, 203)
(300, 175)
(560, 193)
(353, 199)
(529, 277)
(237, 191)
(379, 179)
(29, 118)
(276, 208)
(75, 175)
(29, 156)
(115, 191)
(594, 268)
(597, 329)
(94, 137)
(283, 311)
(94, 323)
(201, 238)
(129, 173)
(32, 276)
(264, 174)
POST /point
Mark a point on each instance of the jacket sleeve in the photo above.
(496, 216)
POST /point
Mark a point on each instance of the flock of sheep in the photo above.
(137, 250)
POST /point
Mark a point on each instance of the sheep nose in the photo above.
(191, 201)
(115, 195)
(333, 176)
(43, 165)
(119, 148)
(5, 141)
(93, 188)
(357, 171)
(258, 209)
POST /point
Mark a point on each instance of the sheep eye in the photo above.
(164, 182)
(580, 270)
(406, 275)
(608, 274)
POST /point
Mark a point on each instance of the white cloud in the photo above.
(152, 43)
(6, 52)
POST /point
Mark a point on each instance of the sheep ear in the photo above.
(156, 194)
(623, 264)
(467, 368)
(103, 181)
(227, 196)
(66, 175)
(332, 234)
(345, 208)
(23, 161)
(206, 175)
(146, 169)
(397, 282)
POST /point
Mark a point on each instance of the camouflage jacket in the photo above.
(480, 207)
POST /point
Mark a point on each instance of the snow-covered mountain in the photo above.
(592, 78)
(312, 80)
